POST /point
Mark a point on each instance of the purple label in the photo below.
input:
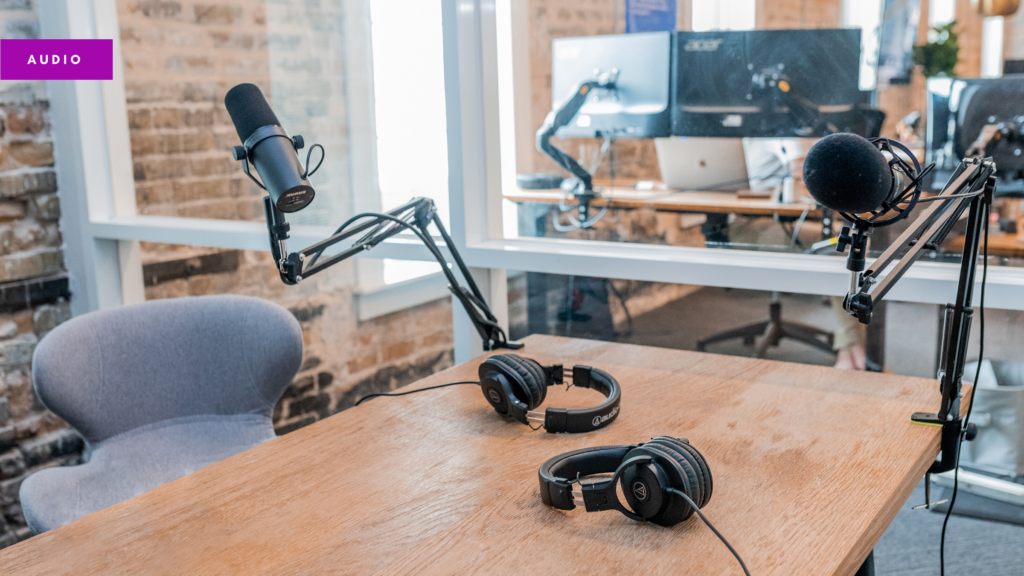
(56, 59)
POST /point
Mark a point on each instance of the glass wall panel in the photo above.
(693, 132)
(902, 337)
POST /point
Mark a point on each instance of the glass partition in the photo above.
(692, 132)
(904, 337)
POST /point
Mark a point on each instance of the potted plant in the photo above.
(940, 55)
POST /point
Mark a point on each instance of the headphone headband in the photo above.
(586, 419)
(651, 477)
(559, 473)
(516, 386)
(663, 481)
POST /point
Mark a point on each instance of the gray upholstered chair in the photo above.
(158, 390)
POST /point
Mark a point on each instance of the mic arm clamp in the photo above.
(415, 215)
(972, 188)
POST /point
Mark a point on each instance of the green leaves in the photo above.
(939, 56)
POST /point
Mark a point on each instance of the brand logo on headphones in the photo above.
(493, 396)
(598, 420)
(640, 490)
(708, 45)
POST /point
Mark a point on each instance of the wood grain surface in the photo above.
(810, 466)
(666, 200)
(1008, 245)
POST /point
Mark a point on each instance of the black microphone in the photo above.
(269, 148)
(847, 173)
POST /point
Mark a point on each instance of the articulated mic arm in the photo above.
(971, 187)
(415, 216)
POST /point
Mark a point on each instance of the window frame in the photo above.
(472, 57)
(102, 228)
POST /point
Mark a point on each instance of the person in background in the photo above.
(849, 339)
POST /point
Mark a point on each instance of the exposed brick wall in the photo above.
(789, 14)
(33, 284)
(181, 57)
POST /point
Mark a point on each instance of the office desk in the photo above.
(810, 466)
(703, 201)
(1007, 245)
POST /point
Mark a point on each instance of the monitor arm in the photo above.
(562, 116)
(972, 188)
(416, 216)
(782, 94)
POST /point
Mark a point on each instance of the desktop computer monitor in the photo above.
(958, 109)
(768, 84)
(638, 107)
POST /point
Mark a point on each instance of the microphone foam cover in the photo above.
(847, 173)
(249, 110)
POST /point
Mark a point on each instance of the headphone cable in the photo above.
(717, 533)
(368, 396)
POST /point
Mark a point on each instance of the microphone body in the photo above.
(269, 148)
(847, 173)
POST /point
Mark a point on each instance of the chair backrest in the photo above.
(873, 121)
(112, 371)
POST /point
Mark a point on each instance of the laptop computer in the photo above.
(702, 163)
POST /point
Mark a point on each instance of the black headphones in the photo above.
(516, 386)
(652, 476)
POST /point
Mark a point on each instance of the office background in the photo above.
(180, 57)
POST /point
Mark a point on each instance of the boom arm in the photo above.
(971, 187)
(416, 216)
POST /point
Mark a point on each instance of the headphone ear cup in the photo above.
(526, 376)
(685, 473)
(708, 484)
(701, 478)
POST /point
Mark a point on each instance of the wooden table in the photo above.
(810, 466)
(667, 200)
(1007, 245)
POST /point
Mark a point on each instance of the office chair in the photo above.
(157, 390)
(774, 329)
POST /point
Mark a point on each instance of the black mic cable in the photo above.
(974, 392)
(717, 533)
(368, 396)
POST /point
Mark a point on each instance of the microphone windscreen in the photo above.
(847, 173)
(249, 110)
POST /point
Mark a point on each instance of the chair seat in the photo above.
(126, 465)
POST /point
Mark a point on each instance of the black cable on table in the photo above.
(717, 533)
(367, 397)
(974, 392)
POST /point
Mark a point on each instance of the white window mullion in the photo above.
(992, 47)
(723, 15)
(94, 169)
